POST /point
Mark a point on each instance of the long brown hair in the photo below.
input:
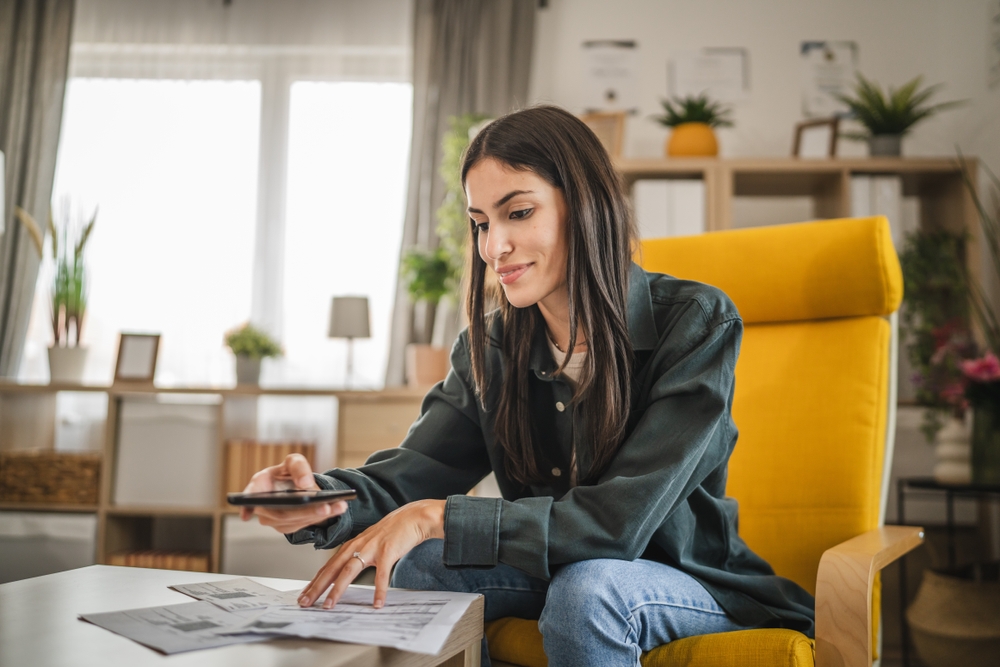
(559, 148)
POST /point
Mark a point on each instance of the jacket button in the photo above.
(560, 406)
(556, 472)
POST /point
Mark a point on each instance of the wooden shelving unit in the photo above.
(937, 182)
(366, 422)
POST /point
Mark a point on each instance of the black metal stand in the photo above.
(926, 485)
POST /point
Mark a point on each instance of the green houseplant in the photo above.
(434, 277)
(887, 116)
(936, 320)
(428, 276)
(954, 373)
(250, 345)
(68, 296)
(693, 119)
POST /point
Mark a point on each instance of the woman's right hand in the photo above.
(292, 473)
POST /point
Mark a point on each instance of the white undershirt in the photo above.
(575, 366)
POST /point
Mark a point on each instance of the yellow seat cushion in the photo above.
(519, 642)
(743, 648)
(516, 641)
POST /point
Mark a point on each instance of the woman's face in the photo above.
(522, 232)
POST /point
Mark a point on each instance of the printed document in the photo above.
(178, 627)
(237, 594)
(240, 610)
(418, 621)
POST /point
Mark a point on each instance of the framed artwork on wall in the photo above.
(136, 357)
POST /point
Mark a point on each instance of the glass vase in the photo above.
(985, 446)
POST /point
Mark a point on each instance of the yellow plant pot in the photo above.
(692, 140)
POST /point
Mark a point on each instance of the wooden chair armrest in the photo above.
(844, 593)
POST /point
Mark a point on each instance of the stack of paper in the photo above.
(240, 610)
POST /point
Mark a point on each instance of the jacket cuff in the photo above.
(471, 531)
(333, 531)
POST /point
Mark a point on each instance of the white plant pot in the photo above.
(66, 364)
(885, 145)
(953, 453)
(247, 370)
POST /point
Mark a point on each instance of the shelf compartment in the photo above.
(134, 533)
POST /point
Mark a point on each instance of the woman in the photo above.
(601, 397)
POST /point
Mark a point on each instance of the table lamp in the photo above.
(349, 319)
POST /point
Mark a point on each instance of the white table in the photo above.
(39, 627)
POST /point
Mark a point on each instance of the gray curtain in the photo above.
(469, 57)
(35, 38)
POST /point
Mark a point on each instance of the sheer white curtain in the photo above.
(248, 160)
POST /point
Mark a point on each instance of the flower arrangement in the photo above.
(249, 341)
(960, 374)
(936, 320)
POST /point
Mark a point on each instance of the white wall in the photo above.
(943, 40)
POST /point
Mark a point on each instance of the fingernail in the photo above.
(304, 600)
(378, 604)
(324, 509)
(328, 604)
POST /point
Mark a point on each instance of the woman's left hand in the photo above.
(380, 546)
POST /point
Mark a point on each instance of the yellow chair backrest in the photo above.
(812, 380)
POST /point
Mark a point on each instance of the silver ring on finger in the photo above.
(357, 554)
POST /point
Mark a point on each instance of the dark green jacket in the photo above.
(663, 496)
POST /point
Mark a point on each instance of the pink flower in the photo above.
(986, 369)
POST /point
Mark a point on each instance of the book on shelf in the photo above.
(245, 457)
(190, 561)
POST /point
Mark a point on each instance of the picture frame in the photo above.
(816, 138)
(609, 126)
(137, 353)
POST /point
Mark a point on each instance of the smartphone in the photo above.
(289, 497)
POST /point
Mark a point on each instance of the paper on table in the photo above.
(418, 621)
(179, 627)
(236, 594)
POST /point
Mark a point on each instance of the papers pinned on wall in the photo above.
(610, 75)
(828, 69)
(723, 74)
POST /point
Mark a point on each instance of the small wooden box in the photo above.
(245, 457)
(50, 477)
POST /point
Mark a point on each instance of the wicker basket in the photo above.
(50, 477)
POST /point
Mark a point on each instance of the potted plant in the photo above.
(693, 119)
(958, 375)
(250, 345)
(939, 339)
(887, 116)
(67, 355)
(983, 373)
(434, 277)
(428, 276)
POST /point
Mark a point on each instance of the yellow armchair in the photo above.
(815, 406)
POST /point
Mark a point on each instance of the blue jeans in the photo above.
(594, 612)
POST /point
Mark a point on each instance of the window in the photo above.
(173, 167)
(347, 164)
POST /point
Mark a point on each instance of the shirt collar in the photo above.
(641, 326)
